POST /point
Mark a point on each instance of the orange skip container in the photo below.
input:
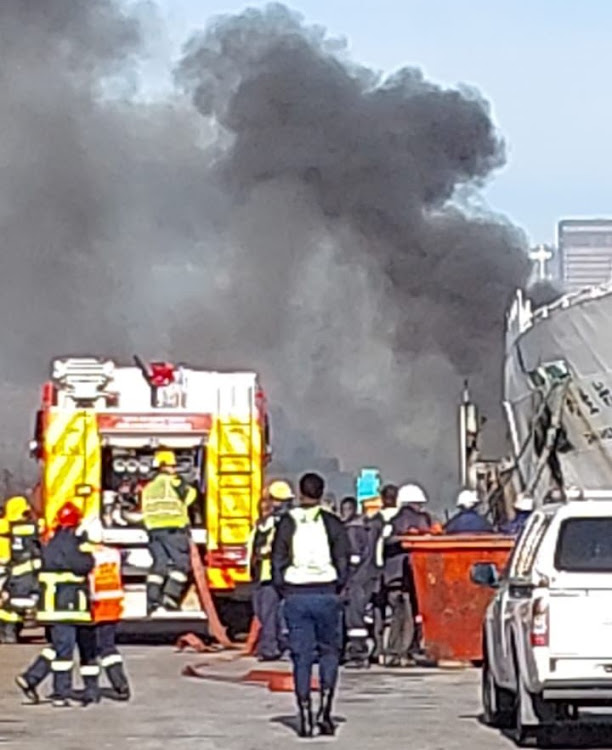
(452, 607)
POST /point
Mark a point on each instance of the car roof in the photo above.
(580, 509)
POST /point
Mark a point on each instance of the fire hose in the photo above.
(216, 628)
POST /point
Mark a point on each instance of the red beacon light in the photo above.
(162, 374)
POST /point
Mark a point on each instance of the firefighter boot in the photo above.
(324, 717)
(305, 723)
(155, 584)
(91, 692)
(9, 634)
(28, 690)
(357, 654)
(119, 681)
(174, 588)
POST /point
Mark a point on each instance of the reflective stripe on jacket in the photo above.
(65, 598)
(165, 503)
(25, 561)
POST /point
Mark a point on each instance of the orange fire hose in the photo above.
(216, 627)
(217, 630)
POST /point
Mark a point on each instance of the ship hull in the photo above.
(558, 368)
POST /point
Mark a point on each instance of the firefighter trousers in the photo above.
(64, 638)
(169, 574)
(359, 593)
(10, 624)
(110, 659)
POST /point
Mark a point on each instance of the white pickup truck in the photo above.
(547, 635)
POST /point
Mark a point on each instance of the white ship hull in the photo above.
(558, 367)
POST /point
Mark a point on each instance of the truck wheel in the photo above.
(497, 703)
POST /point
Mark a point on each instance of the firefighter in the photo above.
(310, 558)
(362, 580)
(468, 520)
(398, 580)
(64, 607)
(165, 509)
(378, 522)
(107, 597)
(20, 589)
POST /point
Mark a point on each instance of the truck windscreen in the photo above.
(585, 545)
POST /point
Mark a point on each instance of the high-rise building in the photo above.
(585, 252)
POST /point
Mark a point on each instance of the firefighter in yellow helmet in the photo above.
(275, 502)
(165, 510)
(21, 561)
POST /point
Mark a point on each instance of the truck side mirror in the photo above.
(485, 574)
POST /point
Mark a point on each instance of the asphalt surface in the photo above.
(375, 709)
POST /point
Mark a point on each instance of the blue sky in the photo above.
(545, 66)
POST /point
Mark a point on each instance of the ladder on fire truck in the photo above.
(235, 455)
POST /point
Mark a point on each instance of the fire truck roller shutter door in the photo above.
(73, 458)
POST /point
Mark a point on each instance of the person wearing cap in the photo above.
(64, 608)
(22, 561)
(397, 574)
(166, 500)
(266, 600)
(523, 507)
(468, 520)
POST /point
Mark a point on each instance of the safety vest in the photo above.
(311, 561)
(5, 541)
(261, 550)
(64, 598)
(105, 583)
(162, 504)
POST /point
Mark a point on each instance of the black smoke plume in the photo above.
(284, 209)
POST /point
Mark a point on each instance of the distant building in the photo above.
(585, 252)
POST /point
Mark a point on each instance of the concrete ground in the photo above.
(376, 709)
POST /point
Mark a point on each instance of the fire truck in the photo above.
(97, 429)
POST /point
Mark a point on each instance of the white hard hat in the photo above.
(574, 493)
(411, 494)
(92, 529)
(523, 502)
(467, 499)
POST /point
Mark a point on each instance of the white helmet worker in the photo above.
(523, 503)
(92, 529)
(411, 494)
(467, 499)
(574, 493)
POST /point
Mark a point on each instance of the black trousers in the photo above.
(358, 596)
(315, 628)
(169, 574)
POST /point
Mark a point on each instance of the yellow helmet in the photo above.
(280, 491)
(164, 458)
(16, 507)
